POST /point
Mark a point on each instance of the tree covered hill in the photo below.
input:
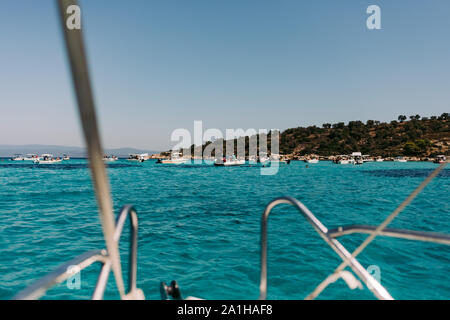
(418, 136)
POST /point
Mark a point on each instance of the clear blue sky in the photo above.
(160, 65)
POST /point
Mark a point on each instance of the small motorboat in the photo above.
(440, 159)
(343, 159)
(175, 158)
(138, 157)
(31, 157)
(357, 157)
(312, 160)
(276, 158)
(229, 161)
(110, 159)
(263, 159)
(47, 159)
(17, 157)
(400, 159)
(66, 157)
(346, 161)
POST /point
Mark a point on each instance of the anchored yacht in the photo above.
(229, 161)
(138, 157)
(344, 159)
(440, 159)
(400, 159)
(312, 160)
(110, 159)
(47, 159)
(31, 157)
(263, 159)
(357, 158)
(277, 159)
(17, 157)
(175, 158)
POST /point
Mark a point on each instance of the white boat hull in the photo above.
(229, 163)
(346, 162)
(173, 161)
(47, 161)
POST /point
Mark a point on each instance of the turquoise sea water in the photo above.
(200, 225)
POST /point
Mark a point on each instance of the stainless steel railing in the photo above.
(379, 291)
(393, 233)
(330, 238)
(63, 272)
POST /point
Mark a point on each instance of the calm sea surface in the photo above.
(200, 225)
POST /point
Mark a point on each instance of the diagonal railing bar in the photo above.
(378, 290)
(380, 227)
(63, 272)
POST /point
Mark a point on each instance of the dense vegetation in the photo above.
(418, 136)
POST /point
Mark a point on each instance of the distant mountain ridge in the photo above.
(75, 152)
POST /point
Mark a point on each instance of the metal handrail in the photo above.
(393, 233)
(38, 289)
(63, 272)
(378, 290)
(129, 211)
(330, 238)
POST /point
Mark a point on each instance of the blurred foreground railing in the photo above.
(62, 273)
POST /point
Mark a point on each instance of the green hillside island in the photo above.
(419, 137)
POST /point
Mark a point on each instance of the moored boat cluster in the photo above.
(45, 158)
(231, 160)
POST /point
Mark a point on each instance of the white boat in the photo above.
(134, 157)
(47, 159)
(17, 157)
(229, 161)
(344, 159)
(175, 158)
(440, 159)
(31, 157)
(275, 158)
(367, 158)
(312, 160)
(138, 157)
(110, 159)
(357, 158)
(379, 159)
(66, 157)
(144, 156)
(400, 159)
(263, 159)
(172, 161)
